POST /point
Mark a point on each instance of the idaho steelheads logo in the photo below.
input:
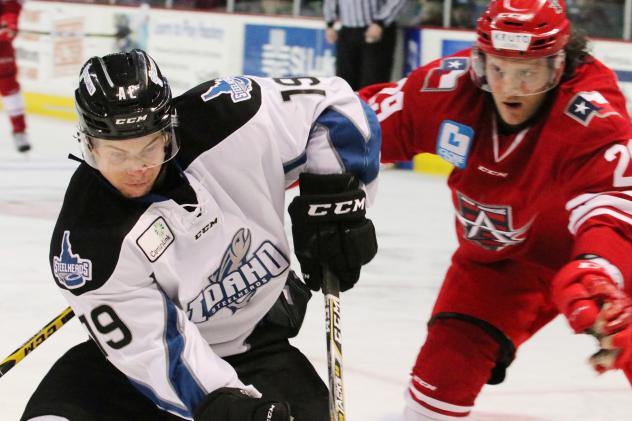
(70, 269)
(236, 280)
(238, 88)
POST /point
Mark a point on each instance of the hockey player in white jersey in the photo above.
(171, 249)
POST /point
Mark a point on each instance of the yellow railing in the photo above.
(50, 106)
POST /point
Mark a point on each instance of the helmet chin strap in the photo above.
(74, 157)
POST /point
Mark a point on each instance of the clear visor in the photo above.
(131, 154)
(517, 77)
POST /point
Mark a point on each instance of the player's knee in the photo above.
(456, 360)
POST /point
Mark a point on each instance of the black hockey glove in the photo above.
(231, 404)
(330, 228)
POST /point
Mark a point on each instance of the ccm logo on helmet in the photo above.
(338, 208)
(130, 120)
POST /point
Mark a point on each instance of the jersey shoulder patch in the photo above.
(155, 239)
(238, 88)
(446, 74)
(454, 142)
(89, 234)
(212, 111)
(584, 106)
(69, 269)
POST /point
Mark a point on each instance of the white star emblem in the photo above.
(455, 64)
(581, 108)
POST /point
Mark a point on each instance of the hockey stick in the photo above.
(606, 358)
(28, 346)
(331, 289)
(67, 34)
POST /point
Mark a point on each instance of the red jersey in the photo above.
(10, 9)
(558, 189)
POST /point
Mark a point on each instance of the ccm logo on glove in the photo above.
(339, 208)
(330, 228)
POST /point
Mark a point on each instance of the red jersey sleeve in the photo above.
(10, 9)
(599, 171)
(387, 100)
(9, 15)
(413, 110)
(600, 216)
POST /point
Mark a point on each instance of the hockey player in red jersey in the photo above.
(9, 86)
(540, 141)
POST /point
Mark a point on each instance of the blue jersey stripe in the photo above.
(159, 402)
(289, 166)
(187, 389)
(359, 155)
(185, 385)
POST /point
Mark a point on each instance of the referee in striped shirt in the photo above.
(365, 43)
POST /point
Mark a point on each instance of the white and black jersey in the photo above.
(201, 259)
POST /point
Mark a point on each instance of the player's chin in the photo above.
(513, 113)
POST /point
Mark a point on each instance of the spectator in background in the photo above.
(593, 18)
(9, 86)
(463, 14)
(365, 42)
(431, 12)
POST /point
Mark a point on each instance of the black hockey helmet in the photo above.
(122, 96)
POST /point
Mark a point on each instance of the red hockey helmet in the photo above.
(535, 31)
(523, 28)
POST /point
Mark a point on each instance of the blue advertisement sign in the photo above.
(279, 51)
(451, 46)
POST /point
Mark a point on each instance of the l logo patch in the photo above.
(454, 142)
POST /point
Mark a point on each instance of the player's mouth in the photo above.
(512, 105)
(137, 184)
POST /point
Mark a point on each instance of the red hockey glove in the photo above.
(8, 27)
(581, 289)
(592, 302)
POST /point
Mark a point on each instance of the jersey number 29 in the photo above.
(625, 152)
